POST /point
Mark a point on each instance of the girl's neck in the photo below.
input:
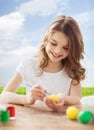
(53, 67)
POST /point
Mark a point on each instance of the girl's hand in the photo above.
(36, 93)
(55, 105)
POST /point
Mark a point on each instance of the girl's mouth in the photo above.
(55, 55)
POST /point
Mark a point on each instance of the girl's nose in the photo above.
(58, 50)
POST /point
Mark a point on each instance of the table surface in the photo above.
(40, 117)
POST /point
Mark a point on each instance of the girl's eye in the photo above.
(65, 48)
(54, 44)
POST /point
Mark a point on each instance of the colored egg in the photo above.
(72, 112)
(85, 116)
(53, 97)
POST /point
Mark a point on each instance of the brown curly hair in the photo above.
(72, 64)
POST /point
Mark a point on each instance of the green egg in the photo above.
(85, 116)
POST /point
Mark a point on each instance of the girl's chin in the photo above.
(54, 59)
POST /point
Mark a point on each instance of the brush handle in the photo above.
(30, 85)
(48, 93)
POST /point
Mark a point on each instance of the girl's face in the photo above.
(57, 47)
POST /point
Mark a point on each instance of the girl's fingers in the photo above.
(38, 89)
(53, 104)
(49, 104)
(38, 93)
(39, 98)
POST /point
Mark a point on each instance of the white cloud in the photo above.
(89, 66)
(89, 82)
(42, 7)
(13, 57)
(10, 24)
(85, 18)
(10, 27)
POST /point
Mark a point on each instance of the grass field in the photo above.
(21, 90)
(86, 91)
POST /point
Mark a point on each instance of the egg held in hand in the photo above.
(53, 97)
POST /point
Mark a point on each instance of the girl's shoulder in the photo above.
(30, 61)
(28, 64)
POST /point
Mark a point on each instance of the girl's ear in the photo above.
(74, 81)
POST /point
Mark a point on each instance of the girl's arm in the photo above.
(75, 95)
(9, 93)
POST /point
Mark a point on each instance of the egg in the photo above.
(85, 116)
(72, 112)
(53, 97)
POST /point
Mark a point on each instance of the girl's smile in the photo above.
(57, 47)
(55, 55)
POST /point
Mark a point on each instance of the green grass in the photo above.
(21, 90)
(86, 91)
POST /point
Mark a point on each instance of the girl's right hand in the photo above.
(36, 93)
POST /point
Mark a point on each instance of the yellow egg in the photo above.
(53, 97)
(72, 112)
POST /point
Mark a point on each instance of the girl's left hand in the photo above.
(55, 105)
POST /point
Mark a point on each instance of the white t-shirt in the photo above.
(58, 82)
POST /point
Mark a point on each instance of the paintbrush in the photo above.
(30, 85)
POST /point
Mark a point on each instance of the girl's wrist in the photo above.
(28, 101)
(61, 96)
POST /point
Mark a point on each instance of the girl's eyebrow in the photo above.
(53, 40)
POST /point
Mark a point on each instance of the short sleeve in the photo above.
(27, 69)
(21, 69)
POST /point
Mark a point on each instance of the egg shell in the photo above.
(72, 112)
(53, 97)
(85, 116)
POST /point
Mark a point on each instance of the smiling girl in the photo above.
(55, 68)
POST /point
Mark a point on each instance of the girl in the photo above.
(55, 68)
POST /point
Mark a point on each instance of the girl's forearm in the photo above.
(10, 97)
(71, 100)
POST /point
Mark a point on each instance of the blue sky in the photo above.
(23, 22)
